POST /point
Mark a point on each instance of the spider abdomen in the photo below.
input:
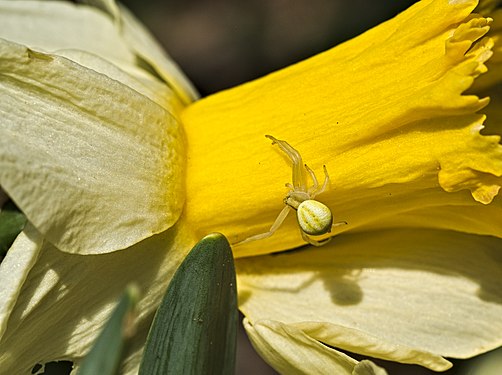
(314, 217)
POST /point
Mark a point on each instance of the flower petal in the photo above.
(136, 79)
(290, 351)
(385, 112)
(95, 166)
(398, 294)
(66, 299)
(53, 25)
(109, 31)
(357, 341)
(148, 48)
(14, 270)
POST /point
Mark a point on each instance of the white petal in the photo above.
(133, 77)
(429, 293)
(53, 25)
(101, 28)
(95, 166)
(14, 270)
(66, 299)
(290, 351)
(148, 48)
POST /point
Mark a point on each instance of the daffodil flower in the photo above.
(120, 169)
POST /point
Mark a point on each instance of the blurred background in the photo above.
(223, 43)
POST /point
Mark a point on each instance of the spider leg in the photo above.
(277, 223)
(298, 175)
(324, 241)
(338, 224)
(311, 241)
(313, 188)
(324, 184)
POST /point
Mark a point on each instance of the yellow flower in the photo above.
(92, 150)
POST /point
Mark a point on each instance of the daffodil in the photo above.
(120, 169)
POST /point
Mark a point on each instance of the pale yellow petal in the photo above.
(87, 36)
(53, 25)
(101, 28)
(14, 270)
(139, 39)
(148, 49)
(407, 289)
(94, 165)
(290, 351)
(358, 341)
(108, 6)
(66, 299)
(135, 78)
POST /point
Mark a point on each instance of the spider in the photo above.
(314, 218)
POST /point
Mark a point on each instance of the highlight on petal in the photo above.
(101, 28)
(49, 26)
(94, 165)
(14, 270)
(405, 295)
(136, 79)
(356, 341)
(388, 113)
(66, 299)
(290, 351)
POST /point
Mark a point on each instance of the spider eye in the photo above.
(314, 217)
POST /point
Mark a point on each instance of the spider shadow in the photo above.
(343, 267)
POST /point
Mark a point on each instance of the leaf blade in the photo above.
(105, 354)
(194, 330)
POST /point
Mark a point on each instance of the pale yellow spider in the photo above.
(314, 218)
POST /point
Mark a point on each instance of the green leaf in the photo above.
(12, 222)
(194, 330)
(104, 357)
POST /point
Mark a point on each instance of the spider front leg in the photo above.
(299, 181)
(277, 223)
(315, 184)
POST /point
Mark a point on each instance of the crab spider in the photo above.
(314, 218)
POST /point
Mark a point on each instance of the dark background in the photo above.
(223, 43)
